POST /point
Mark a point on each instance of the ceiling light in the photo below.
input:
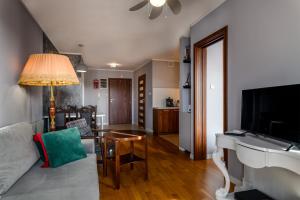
(81, 67)
(113, 65)
(157, 3)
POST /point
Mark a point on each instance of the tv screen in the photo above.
(273, 112)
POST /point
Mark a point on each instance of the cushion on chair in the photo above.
(63, 146)
(82, 126)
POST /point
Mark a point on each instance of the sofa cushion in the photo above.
(63, 146)
(17, 152)
(74, 181)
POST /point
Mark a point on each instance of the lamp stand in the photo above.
(52, 110)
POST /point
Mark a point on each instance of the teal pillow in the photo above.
(63, 146)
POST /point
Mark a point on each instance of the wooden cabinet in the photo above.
(165, 121)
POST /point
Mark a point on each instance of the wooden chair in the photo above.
(86, 113)
(71, 110)
(60, 118)
(94, 115)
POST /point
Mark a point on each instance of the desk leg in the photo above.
(102, 122)
(104, 157)
(146, 157)
(131, 153)
(222, 193)
(117, 165)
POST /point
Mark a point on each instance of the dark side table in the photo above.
(129, 158)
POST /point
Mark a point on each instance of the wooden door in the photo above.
(142, 101)
(119, 101)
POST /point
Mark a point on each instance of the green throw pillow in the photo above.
(63, 146)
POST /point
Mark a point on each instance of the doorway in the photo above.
(210, 92)
(120, 97)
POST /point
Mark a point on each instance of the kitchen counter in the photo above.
(165, 120)
(165, 108)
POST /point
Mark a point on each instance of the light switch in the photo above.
(212, 86)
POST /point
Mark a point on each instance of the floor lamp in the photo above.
(49, 70)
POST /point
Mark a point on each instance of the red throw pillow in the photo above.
(38, 139)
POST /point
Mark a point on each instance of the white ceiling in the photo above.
(110, 33)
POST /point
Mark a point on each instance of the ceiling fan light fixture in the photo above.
(157, 3)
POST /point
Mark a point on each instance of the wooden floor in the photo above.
(173, 138)
(172, 175)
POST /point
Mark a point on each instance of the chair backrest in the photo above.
(94, 115)
(82, 126)
(86, 113)
(72, 110)
(60, 118)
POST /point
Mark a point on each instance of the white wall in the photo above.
(99, 96)
(215, 95)
(263, 50)
(20, 36)
(165, 82)
(160, 95)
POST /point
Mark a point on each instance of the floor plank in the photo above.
(173, 138)
(172, 175)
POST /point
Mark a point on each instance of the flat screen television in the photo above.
(273, 112)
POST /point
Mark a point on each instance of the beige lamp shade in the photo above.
(48, 70)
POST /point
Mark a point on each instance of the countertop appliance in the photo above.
(169, 102)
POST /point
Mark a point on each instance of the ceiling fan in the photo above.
(157, 7)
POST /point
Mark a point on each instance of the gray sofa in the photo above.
(22, 178)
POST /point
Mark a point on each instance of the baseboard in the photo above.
(149, 130)
(209, 156)
(181, 149)
(191, 156)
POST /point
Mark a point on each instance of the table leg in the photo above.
(104, 157)
(222, 193)
(146, 157)
(117, 165)
(131, 153)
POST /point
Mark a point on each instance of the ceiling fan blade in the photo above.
(155, 12)
(139, 5)
(175, 6)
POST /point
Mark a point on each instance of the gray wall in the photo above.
(20, 36)
(99, 96)
(185, 100)
(146, 69)
(165, 74)
(263, 51)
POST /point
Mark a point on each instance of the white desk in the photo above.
(101, 116)
(254, 152)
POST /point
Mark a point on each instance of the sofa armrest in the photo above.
(89, 145)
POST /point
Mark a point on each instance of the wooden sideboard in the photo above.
(165, 120)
